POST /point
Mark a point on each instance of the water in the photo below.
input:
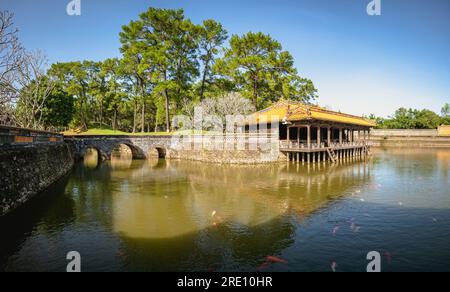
(185, 216)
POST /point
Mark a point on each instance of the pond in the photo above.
(157, 215)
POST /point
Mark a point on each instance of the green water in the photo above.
(185, 216)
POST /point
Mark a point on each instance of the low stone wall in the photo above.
(403, 133)
(408, 139)
(27, 170)
(259, 156)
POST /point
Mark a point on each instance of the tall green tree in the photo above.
(212, 37)
(75, 79)
(445, 111)
(137, 64)
(58, 109)
(427, 119)
(168, 44)
(262, 71)
(115, 94)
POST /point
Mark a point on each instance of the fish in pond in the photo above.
(274, 259)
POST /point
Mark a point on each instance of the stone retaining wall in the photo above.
(26, 170)
(409, 139)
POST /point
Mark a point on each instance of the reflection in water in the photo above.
(91, 158)
(158, 215)
(121, 157)
(184, 198)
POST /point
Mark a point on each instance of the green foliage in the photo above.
(212, 37)
(58, 109)
(445, 111)
(256, 65)
(167, 61)
(410, 119)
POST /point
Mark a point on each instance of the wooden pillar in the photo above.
(318, 136)
(288, 137)
(298, 136)
(309, 136)
(340, 136)
(329, 136)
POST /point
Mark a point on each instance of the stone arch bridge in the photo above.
(234, 149)
(141, 146)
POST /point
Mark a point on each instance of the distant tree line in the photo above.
(167, 66)
(414, 119)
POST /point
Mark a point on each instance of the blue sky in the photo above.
(360, 64)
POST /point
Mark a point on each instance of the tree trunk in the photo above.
(255, 92)
(82, 115)
(205, 73)
(166, 96)
(143, 106)
(134, 117)
(167, 104)
(115, 119)
(143, 116)
(101, 113)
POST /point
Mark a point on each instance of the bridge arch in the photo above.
(157, 152)
(92, 156)
(125, 146)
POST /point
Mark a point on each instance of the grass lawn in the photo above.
(109, 132)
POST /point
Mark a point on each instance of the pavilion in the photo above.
(311, 133)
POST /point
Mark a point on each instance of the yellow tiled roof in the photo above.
(295, 111)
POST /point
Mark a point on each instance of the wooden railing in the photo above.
(227, 141)
(304, 145)
(12, 135)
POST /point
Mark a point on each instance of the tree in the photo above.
(168, 44)
(262, 71)
(115, 95)
(98, 89)
(33, 87)
(137, 64)
(232, 104)
(427, 119)
(409, 119)
(11, 57)
(445, 111)
(58, 109)
(74, 77)
(212, 37)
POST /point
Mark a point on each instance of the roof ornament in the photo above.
(308, 111)
(288, 113)
(285, 121)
